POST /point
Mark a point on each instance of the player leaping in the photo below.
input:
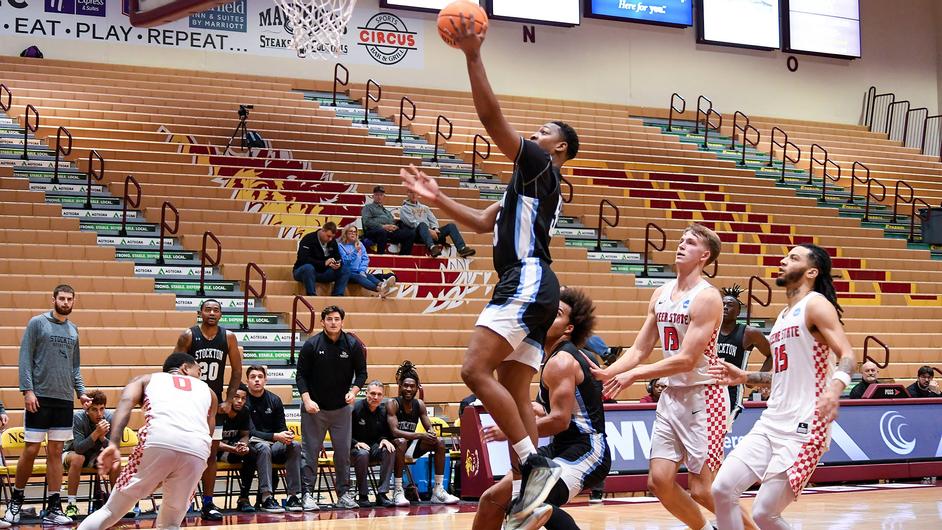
(690, 423)
(784, 446)
(510, 332)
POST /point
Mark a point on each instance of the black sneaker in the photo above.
(596, 496)
(210, 512)
(294, 504)
(539, 476)
(364, 501)
(384, 501)
(244, 506)
(269, 505)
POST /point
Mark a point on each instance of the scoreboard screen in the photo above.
(826, 27)
(558, 12)
(419, 5)
(743, 23)
(665, 12)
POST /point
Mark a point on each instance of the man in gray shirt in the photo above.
(90, 431)
(381, 228)
(49, 374)
(418, 216)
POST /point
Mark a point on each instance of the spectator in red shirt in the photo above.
(655, 387)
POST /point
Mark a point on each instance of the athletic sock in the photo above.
(72, 499)
(440, 481)
(398, 483)
(524, 448)
(515, 489)
(18, 494)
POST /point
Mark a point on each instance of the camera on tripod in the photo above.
(248, 139)
(244, 110)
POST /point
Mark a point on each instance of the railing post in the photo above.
(897, 197)
(346, 79)
(64, 151)
(28, 128)
(370, 97)
(4, 91)
(709, 125)
(683, 108)
(701, 110)
(866, 352)
(598, 238)
(99, 175)
(475, 153)
(250, 289)
(746, 140)
(737, 127)
(402, 115)
(752, 298)
(165, 228)
(127, 199)
(297, 324)
(214, 262)
(439, 134)
(649, 245)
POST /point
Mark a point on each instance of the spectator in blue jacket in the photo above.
(356, 262)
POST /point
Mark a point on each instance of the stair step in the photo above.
(234, 304)
(138, 242)
(149, 257)
(268, 356)
(49, 187)
(261, 339)
(96, 213)
(627, 257)
(173, 270)
(65, 173)
(190, 287)
(256, 321)
(99, 202)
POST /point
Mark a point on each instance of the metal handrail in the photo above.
(602, 218)
(912, 217)
(6, 106)
(99, 175)
(826, 176)
(165, 228)
(127, 199)
(753, 298)
(925, 130)
(868, 181)
(648, 244)
(897, 196)
(402, 115)
(564, 180)
(28, 128)
(871, 101)
(346, 79)
(297, 324)
(700, 100)
(214, 262)
(889, 117)
(709, 125)
(475, 154)
(747, 141)
(866, 352)
(64, 151)
(438, 134)
(370, 97)
(906, 126)
(737, 127)
(812, 161)
(670, 116)
(250, 289)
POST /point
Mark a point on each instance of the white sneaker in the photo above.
(347, 501)
(308, 503)
(56, 516)
(399, 498)
(12, 515)
(440, 496)
(4, 524)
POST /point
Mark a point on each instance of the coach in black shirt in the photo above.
(372, 443)
(331, 371)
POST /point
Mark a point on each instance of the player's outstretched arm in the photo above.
(485, 102)
(478, 221)
(133, 394)
(613, 376)
(822, 318)
(727, 374)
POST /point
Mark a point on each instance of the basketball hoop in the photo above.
(317, 25)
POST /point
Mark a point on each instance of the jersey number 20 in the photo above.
(779, 359)
(209, 372)
(671, 340)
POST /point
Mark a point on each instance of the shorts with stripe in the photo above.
(768, 453)
(690, 426)
(522, 309)
(53, 419)
(585, 464)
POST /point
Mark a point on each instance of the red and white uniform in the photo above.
(691, 418)
(790, 437)
(173, 446)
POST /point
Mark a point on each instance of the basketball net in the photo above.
(317, 25)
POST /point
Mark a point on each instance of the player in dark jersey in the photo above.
(572, 401)
(211, 345)
(735, 341)
(404, 414)
(510, 332)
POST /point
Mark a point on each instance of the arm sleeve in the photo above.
(532, 161)
(82, 441)
(262, 435)
(278, 411)
(364, 259)
(359, 364)
(26, 356)
(369, 219)
(407, 215)
(333, 250)
(432, 220)
(77, 370)
(301, 373)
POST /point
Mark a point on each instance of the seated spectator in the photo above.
(924, 387)
(356, 261)
(419, 217)
(234, 447)
(319, 261)
(870, 373)
(273, 443)
(381, 228)
(404, 414)
(372, 443)
(90, 431)
(654, 388)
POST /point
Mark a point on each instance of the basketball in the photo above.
(453, 12)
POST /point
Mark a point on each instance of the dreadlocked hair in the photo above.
(732, 292)
(824, 283)
(581, 314)
(405, 371)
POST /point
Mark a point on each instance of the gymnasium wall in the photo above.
(600, 61)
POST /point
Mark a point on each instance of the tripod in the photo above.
(241, 130)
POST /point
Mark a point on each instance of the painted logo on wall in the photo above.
(386, 38)
(92, 8)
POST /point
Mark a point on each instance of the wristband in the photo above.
(841, 376)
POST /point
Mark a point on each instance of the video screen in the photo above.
(747, 23)
(828, 27)
(563, 12)
(424, 5)
(665, 12)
